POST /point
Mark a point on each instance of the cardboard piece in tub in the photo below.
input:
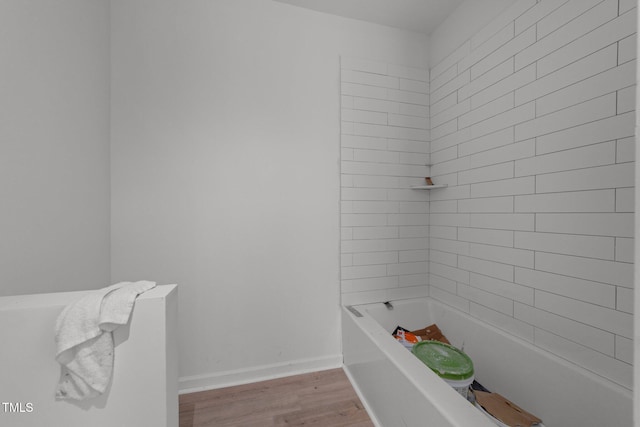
(504, 410)
(431, 332)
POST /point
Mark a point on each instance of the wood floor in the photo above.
(322, 399)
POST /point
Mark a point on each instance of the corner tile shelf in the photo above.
(427, 187)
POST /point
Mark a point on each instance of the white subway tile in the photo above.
(603, 36)
(408, 121)
(363, 194)
(451, 113)
(414, 158)
(486, 299)
(451, 273)
(462, 51)
(590, 65)
(395, 132)
(451, 86)
(522, 114)
(612, 176)
(444, 155)
(501, 171)
(523, 222)
(502, 321)
(374, 181)
(487, 268)
(449, 298)
(380, 232)
(627, 50)
(625, 200)
(625, 150)
(443, 232)
(413, 256)
(487, 205)
(626, 5)
(346, 260)
(603, 83)
(586, 335)
(513, 82)
(595, 109)
(447, 128)
(536, 13)
(378, 207)
(362, 272)
(567, 244)
(515, 45)
(408, 97)
(450, 219)
(506, 289)
(407, 219)
(614, 273)
(446, 258)
(500, 138)
(442, 283)
(499, 73)
(360, 64)
(415, 284)
(450, 140)
(361, 116)
(518, 150)
(608, 129)
(627, 96)
(407, 268)
(371, 79)
(588, 21)
(584, 157)
(505, 255)
(455, 165)
(603, 365)
(413, 207)
(594, 224)
(446, 76)
(414, 231)
(506, 187)
(580, 201)
(486, 236)
(624, 249)
(443, 104)
(356, 141)
(365, 91)
(376, 156)
(452, 246)
(407, 72)
(624, 349)
(443, 206)
(363, 220)
(414, 85)
(451, 193)
(563, 15)
(369, 284)
(492, 44)
(624, 300)
(486, 111)
(601, 317)
(572, 287)
(508, 15)
(408, 146)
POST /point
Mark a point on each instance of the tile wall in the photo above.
(385, 146)
(532, 124)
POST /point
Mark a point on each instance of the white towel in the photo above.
(84, 338)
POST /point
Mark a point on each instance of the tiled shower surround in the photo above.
(531, 125)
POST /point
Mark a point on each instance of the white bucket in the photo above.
(461, 386)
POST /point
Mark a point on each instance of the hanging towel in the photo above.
(84, 339)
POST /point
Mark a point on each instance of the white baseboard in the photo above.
(258, 373)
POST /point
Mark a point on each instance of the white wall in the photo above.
(225, 175)
(54, 145)
(532, 128)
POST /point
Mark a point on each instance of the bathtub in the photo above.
(398, 390)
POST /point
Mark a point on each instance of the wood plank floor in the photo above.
(323, 399)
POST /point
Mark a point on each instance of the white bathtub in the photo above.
(398, 390)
